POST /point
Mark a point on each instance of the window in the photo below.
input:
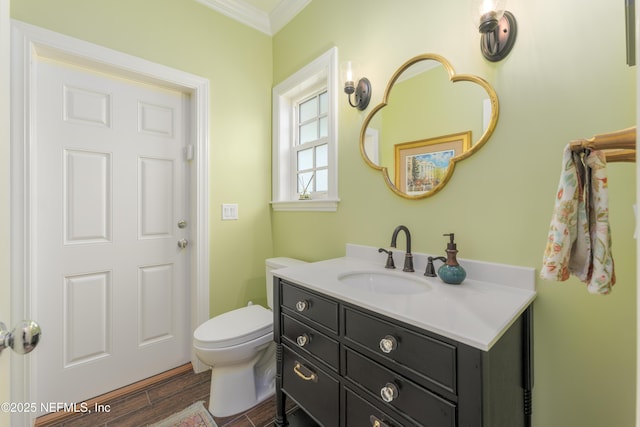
(311, 146)
(305, 138)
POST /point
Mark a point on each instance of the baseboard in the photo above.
(104, 399)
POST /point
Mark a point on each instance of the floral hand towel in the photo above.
(603, 275)
(564, 223)
(579, 240)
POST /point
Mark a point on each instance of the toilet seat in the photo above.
(234, 327)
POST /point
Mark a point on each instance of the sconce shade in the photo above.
(488, 22)
(348, 72)
(488, 14)
(497, 27)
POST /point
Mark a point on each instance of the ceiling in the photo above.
(268, 16)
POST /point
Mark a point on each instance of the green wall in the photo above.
(237, 60)
(565, 79)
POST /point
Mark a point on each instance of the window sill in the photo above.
(318, 205)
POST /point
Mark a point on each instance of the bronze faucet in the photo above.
(408, 257)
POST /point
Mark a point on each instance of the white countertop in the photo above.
(475, 312)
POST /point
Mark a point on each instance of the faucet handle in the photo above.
(390, 263)
(431, 270)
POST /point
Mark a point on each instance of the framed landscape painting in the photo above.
(421, 166)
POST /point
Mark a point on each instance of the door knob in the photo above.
(182, 243)
(22, 339)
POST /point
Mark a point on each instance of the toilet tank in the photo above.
(274, 264)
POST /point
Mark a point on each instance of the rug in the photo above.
(195, 415)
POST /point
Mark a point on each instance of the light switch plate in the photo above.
(229, 211)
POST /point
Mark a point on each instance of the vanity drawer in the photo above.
(417, 403)
(312, 388)
(308, 339)
(432, 361)
(361, 413)
(310, 306)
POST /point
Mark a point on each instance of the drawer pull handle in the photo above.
(388, 344)
(302, 305)
(305, 373)
(303, 340)
(389, 392)
(375, 422)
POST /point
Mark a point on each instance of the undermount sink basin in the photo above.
(384, 282)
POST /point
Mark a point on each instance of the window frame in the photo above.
(322, 72)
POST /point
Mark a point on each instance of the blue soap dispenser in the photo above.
(451, 272)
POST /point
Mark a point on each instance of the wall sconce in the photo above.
(498, 28)
(362, 92)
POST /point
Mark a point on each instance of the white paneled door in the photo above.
(111, 206)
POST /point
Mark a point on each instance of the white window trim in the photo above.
(322, 69)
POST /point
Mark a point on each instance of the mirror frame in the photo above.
(453, 77)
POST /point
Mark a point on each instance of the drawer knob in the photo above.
(304, 372)
(376, 422)
(388, 344)
(389, 392)
(303, 340)
(302, 305)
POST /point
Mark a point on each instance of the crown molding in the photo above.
(285, 12)
(268, 23)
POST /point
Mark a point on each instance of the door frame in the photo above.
(5, 288)
(27, 43)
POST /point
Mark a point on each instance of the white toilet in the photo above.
(239, 347)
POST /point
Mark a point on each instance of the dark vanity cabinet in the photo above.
(347, 366)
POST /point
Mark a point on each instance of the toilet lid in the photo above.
(235, 327)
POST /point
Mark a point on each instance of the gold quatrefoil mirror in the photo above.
(434, 119)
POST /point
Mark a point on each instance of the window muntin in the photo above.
(310, 150)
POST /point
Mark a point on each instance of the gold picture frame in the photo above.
(424, 166)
